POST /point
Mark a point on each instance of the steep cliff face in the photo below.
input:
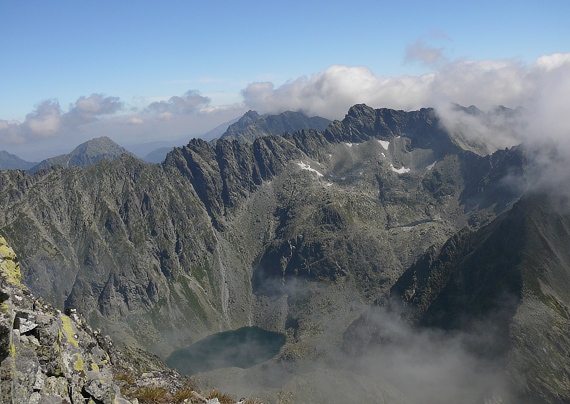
(284, 233)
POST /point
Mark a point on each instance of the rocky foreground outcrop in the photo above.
(47, 356)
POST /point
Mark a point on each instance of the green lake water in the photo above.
(244, 347)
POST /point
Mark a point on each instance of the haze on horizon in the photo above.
(143, 71)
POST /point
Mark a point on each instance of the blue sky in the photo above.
(70, 71)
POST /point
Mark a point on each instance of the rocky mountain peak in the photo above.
(362, 123)
(85, 154)
(250, 116)
(252, 125)
(99, 145)
(360, 111)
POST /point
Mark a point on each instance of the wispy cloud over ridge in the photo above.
(540, 88)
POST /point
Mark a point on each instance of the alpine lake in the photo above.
(243, 348)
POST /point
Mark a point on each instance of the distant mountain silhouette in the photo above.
(10, 161)
(252, 125)
(85, 154)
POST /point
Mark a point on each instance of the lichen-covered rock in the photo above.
(47, 356)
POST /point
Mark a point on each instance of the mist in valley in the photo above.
(383, 360)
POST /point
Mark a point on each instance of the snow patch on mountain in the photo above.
(384, 143)
(402, 170)
(305, 166)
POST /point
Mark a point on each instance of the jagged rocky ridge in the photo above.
(252, 126)
(297, 233)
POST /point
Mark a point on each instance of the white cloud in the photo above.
(48, 120)
(541, 88)
(548, 107)
(45, 121)
(331, 92)
(97, 104)
(87, 109)
(551, 62)
(189, 103)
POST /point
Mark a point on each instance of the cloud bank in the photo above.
(466, 82)
(541, 89)
(48, 120)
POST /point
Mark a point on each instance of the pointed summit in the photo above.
(85, 154)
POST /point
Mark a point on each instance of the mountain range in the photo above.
(382, 233)
(248, 127)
